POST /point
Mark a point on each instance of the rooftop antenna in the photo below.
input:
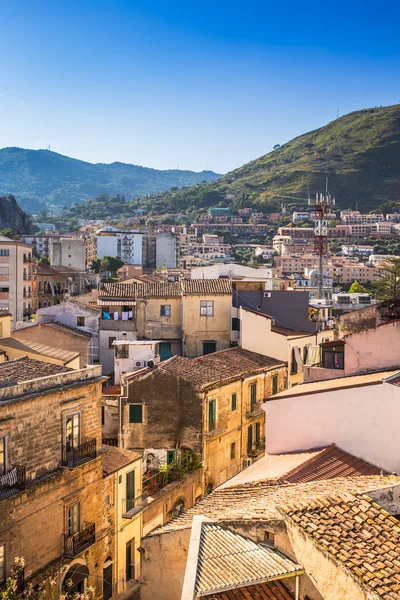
(322, 202)
(337, 114)
(49, 147)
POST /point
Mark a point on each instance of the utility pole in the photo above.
(322, 204)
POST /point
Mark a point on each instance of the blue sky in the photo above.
(209, 84)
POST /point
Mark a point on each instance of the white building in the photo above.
(166, 249)
(357, 250)
(110, 241)
(68, 252)
(133, 355)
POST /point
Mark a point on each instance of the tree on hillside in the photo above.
(357, 288)
(44, 261)
(8, 232)
(388, 286)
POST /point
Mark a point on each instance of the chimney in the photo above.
(124, 336)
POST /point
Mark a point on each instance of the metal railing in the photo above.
(77, 543)
(14, 479)
(70, 457)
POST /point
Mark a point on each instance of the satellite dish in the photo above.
(314, 277)
(150, 363)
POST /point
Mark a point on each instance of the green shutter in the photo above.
(233, 402)
(212, 414)
(253, 396)
(258, 432)
(275, 384)
(135, 413)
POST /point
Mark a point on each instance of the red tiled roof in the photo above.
(114, 458)
(219, 367)
(358, 533)
(330, 463)
(167, 289)
(270, 590)
(25, 369)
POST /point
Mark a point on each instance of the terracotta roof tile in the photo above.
(270, 590)
(114, 458)
(25, 369)
(219, 367)
(28, 346)
(358, 533)
(166, 289)
(260, 500)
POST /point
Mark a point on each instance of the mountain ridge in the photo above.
(43, 177)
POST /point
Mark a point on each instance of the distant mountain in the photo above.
(13, 217)
(40, 177)
(359, 152)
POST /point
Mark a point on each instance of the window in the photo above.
(253, 396)
(122, 351)
(130, 490)
(2, 563)
(73, 519)
(293, 366)
(269, 538)
(129, 561)
(111, 340)
(206, 308)
(165, 310)
(212, 414)
(72, 431)
(274, 384)
(258, 433)
(333, 357)
(136, 413)
(233, 450)
(103, 415)
(4, 253)
(235, 324)
(250, 439)
(209, 347)
(80, 321)
(3, 456)
(233, 401)
(170, 456)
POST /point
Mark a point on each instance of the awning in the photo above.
(116, 303)
(313, 356)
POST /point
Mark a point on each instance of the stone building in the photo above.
(50, 434)
(65, 502)
(211, 404)
(189, 317)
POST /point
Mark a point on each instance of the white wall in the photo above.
(106, 245)
(226, 270)
(106, 353)
(361, 420)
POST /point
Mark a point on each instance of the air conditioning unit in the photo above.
(247, 462)
(267, 294)
(140, 363)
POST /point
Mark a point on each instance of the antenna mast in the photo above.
(322, 204)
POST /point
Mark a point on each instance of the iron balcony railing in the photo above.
(77, 543)
(14, 479)
(74, 456)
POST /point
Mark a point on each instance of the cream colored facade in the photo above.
(128, 529)
(15, 278)
(199, 329)
(226, 448)
(258, 334)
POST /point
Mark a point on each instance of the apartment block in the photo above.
(16, 278)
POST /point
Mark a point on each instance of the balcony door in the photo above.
(72, 431)
(107, 580)
(130, 490)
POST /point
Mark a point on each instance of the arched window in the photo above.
(74, 581)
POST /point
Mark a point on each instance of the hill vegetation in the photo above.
(13, 220)
(359, 153)
(41, 179)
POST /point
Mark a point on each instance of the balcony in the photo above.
(71, 457)
(77, 543)
(13, 481)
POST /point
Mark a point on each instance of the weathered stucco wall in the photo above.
(361, 420)
(198, 329)
(163, 565)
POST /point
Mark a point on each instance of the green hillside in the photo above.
(40, 178)
(359, 152)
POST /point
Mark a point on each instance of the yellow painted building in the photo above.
(297, 348)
